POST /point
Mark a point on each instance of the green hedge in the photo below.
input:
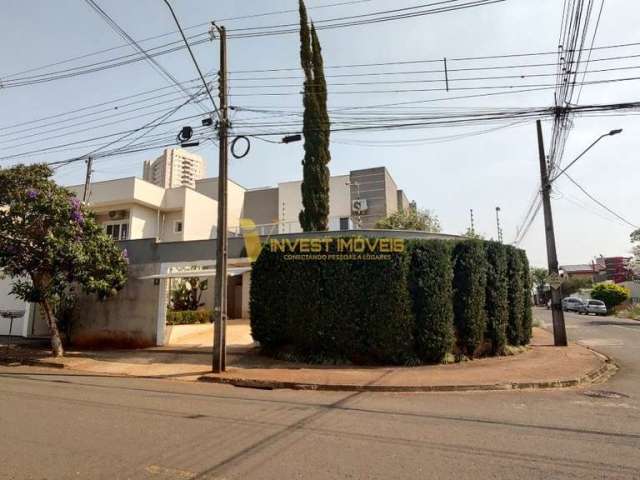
(527, 315)
(469, 284)
(516, 296)
(496, 298)
(187, 317)
(430, 286)
(418, 305)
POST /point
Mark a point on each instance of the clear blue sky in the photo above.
(443, 169)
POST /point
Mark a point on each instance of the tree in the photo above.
(611, 294)
(573, 285)
(411, 219)
(50, 244)
(539, 277)
(314, 215)
(470, 233)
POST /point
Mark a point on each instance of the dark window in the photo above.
(344, 223)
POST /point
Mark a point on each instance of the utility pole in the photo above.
(219, 362)
(559, 330)
(87, 180)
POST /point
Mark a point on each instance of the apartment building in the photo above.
(175, 168)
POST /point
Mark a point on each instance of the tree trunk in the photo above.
(56, 342)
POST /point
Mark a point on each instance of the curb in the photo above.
(33, 362)
(601, 373)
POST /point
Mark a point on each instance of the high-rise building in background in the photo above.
(175, 168)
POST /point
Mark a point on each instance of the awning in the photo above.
(231, 272)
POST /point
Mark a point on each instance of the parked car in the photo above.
(593, 306)
(571, 304)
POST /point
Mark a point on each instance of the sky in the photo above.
(448, 170)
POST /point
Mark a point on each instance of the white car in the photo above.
(593, 306)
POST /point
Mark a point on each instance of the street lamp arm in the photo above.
(611, 133)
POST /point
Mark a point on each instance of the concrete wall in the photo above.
(235, 198)
(127, 320)
(262, 206)
(10, 302)
(201, 216)
(143, 222)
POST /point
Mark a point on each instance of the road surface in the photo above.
(56, 425)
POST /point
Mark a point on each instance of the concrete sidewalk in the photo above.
(541, 366)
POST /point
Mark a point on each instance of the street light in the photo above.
(609, 134)
(559, 329)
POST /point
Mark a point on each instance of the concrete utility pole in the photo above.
(87, 180)
(219, 362)
(559, 330)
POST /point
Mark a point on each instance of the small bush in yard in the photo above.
(469, 284)
(612, 295)
(515, 296)
(188, 317)
(430, 285)
(496, 303)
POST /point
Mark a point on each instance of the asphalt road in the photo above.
(54, 425)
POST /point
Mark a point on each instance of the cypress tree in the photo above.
(314, 215)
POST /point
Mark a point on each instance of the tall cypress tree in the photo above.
(314, 215)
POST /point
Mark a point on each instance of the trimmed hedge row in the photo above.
(435, 298)
(187, 317)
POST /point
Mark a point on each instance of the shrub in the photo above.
(496, 303)
(469, 284)
(527, 314)
(430, 286)
(612, 295)
(410, 307)
(188, 317)
(515, 295)
(358, 310)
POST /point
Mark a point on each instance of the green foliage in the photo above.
(515, 295)
(187, 294)
(356, 310)
(50, 244)
(573, 285)
(411, 219)
(430, 286)
(189, 317)
(399, 310)
(496, 303)
(635, 249)
(470, 233)
(469, 284)
(611, 294)
(527, 317)
(539, 277)
(316, 129)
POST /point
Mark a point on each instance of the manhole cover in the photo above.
(604, 394)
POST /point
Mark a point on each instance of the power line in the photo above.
(582, 189)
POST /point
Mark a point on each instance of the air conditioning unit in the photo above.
(359, 206)
(117, 214)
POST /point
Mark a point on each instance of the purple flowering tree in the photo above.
(51, 245)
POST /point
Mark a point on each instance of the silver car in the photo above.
(593, 306)
(570, 304)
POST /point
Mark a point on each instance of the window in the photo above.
(177, 226)
(344, 223)
(118, 231)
